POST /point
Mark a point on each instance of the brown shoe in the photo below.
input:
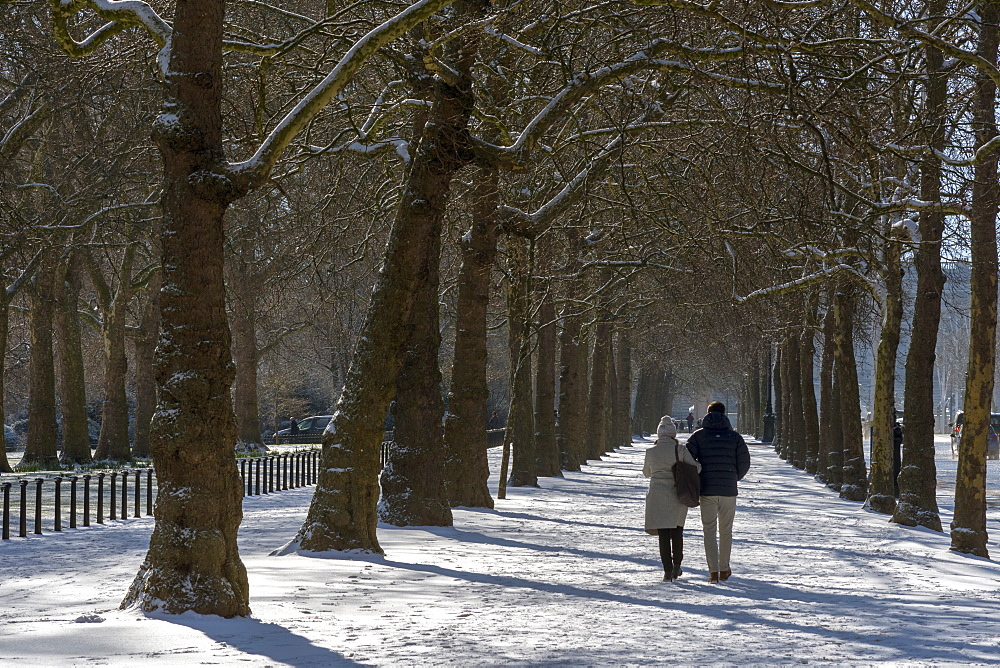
(713, 577)
(724, 575)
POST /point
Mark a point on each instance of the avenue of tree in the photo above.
(206, 206)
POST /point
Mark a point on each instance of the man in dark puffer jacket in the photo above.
(724, 459)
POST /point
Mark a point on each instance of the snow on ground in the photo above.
(561, 575)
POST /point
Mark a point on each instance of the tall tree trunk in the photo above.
(854, 481)
(145, 352)
(918, 479)
(779, 401)
(342, 515)
(193, 561)
(623, 395)
(246, 353)
(572, 375)
(968, 528)
(796, 449)
(826, 413)
(42, 434)
(520, 423)
(807, 359)
(466, 467)
(113, 442)
(881, 492)
(597, 404)
(788, 435)
(72, 386)
(546, 447)
(5, 466)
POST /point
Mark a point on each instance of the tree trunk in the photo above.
(779, 403)
(520, 424)
(968, 528)
(796, 448)
(466, 467)
(5, 466)
(145, 352)
(918, 479)
(572, 378)
(546, 447)
(342, 515)
(623, 396)
(72, 386)
(787, 423)
(597, 404)
(246, 355)
(826, 401)
(854, 480)
(193, 563)
(113, 442)
(42, 433)
(882, 492)
(807, 358)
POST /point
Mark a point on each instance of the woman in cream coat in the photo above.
(665, 514)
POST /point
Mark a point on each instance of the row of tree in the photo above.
(665, 190)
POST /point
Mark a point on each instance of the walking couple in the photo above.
(722, 459)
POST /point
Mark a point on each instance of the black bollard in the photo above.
(57, 512)
(149, 491)
(138, 493)
(72, 502)
(113, 515)
(6, 511)
(100, 497)
(23, 525)
(124, 495)
(38, 505)
(86, 499)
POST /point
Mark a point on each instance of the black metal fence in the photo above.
(69, 501)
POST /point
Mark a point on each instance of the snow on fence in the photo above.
(44, 498)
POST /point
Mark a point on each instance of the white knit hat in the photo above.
(666, 427)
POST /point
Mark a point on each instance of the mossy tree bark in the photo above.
(968, 528)
(193, 562)
(881, 491)
(918, 479)
(466, 466)
(72, 382)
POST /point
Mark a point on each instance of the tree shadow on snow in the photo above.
(254, 637)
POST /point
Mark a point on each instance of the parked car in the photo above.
(310, 430)
(992, 444)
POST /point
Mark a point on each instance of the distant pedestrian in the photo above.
(665, 514)
(724, 460)
(690, 421)
(493, 422)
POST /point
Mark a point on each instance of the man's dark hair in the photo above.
(717, 407)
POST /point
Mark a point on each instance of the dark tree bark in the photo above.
(968, 528)
(546, 447)
(854, 481)
(41, 443)
(787, 422)
(572, 375)
(597, 404)
(918, 479)
(826, 400)
(5, 466)
(796, 421)
(623, 395)
(881, 491)
(246, 352)
(807, 357)
(520, 423)
(193, 561)
(145, 355)
(779, 401)
(72, 385)
(466, 467)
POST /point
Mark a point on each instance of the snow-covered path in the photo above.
(562, 575)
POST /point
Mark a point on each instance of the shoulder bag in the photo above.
(687, 480)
